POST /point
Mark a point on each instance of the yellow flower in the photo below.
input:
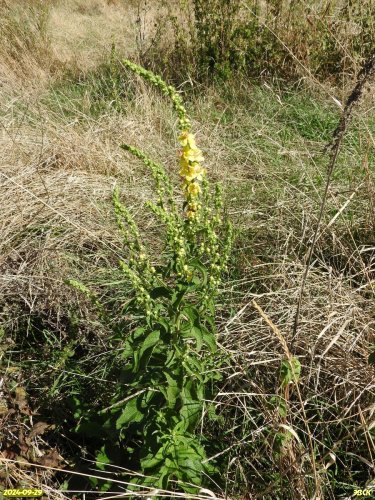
(196, 173)
(194, 189)
(184, 162)
(187, 139)
(193, 155)
(191, 214)
(194, 206)
(192, 172)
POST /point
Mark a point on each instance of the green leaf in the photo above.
(131, 341)
(280, 404)
(171, 358)
(281, 439)
(75, 405)
(290, 371)
(173, 390)
(191, 313)
(137, 333)
(142, 356)
(102, 459)
(209, 339)
(165, 325)
(127, 350)
(177, 297)
(151, 461)
(150, 341)
(196, 281)
(197, 264)
(161, 291)
(195, 333)
(106, 486)
(213, 416)
(194, 329)
(131, 413)
(194, 366)
(189, 414)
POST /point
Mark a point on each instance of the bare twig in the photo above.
(334, 148)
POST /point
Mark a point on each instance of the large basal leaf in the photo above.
(172, 390)
(142, 356)
(131, 341)
(190, 413)
(151, 461)
(131, 413)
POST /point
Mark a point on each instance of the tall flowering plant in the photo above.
(170, 357)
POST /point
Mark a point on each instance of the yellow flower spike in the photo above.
(191, 172)
(195, 172)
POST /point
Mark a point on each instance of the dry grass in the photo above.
(83, 31)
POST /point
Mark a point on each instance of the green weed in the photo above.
(170, 357)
